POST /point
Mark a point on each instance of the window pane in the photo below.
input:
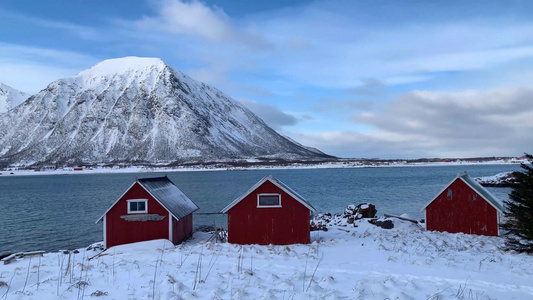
(133, 206)
(141, 206)
(268, 200)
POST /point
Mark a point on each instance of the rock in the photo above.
(363, 210)
(351, 214)
(367, 210)
(385, 224)
(205, 228)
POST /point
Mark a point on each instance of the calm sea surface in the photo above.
(55, 212)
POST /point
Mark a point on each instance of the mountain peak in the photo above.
(123, 65)
(137, 109)
(10, 97)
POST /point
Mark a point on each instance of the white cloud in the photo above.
(196, 19)
(340, 48)
(30, 69)
(192, 18)
(469, 60)
(270, 114)
(335, 44)
(428, 124)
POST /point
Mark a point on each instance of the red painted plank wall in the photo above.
(181, 229)
(248, 224)
(461, 209)
(120, 231)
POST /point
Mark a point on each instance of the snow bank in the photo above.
(362, 262)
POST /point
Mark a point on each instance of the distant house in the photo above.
(464, 206)
(269, 213)
(151, 208)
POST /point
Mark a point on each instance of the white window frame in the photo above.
(138, 211)
(268, 195)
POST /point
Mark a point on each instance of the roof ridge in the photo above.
(148, 178)
(486, 194)
(279, 184)
(478, 188)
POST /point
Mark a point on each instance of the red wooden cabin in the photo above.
(151, 208)
(269, 213)
(464, 206)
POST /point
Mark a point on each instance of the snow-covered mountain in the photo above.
(10, 97)
(137, 109)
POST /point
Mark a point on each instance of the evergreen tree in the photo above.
(518, 223)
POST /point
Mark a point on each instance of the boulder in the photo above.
(367, 210)
(351, 214)
(383, 223)
(363, 210)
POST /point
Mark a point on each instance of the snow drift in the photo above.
(346, 262)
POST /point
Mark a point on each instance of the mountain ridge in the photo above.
(10, 97)
(137, 109)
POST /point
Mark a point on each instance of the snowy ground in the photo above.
(328, 165)
(498, 179)
(364, 262)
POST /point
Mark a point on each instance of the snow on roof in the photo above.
(497, 203)
(488, 196)
(167, 194)
(279, 184)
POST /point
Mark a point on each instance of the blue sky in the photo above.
(389, 79)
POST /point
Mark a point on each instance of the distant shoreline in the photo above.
(221, 167)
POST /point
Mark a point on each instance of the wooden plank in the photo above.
(33, 253)
(401, 218)
(11, 258)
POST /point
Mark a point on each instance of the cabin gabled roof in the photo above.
(169, 195)
(277, 183)
(478, 188)
(166, 193)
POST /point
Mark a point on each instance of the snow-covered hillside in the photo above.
(363, 262)
(10, 97)
(137, 109)
(504, 179)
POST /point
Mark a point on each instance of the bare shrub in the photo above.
(98, 293)
(81, 284)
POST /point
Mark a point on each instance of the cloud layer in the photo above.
(272, 115)
(430, 124)
(30, 69)
(190, 18)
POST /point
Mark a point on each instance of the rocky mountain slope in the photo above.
(10, 97)
(137, 110)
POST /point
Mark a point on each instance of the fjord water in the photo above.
(52, 212)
